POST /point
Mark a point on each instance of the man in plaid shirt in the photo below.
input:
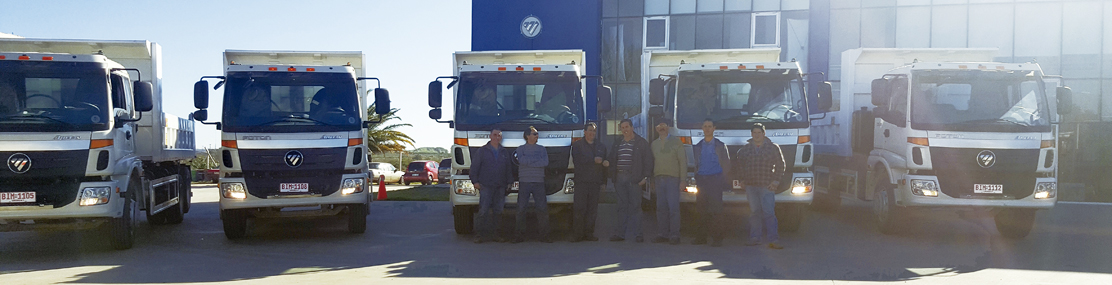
(762, 166)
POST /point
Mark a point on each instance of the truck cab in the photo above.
(292, 136)
(735, 88)
(511, 91)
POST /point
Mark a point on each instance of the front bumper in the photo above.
(738, 196)
(252, 202)
(904, 197)
(72, 215)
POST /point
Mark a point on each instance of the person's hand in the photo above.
(683, 185)
(598, 160)
(772, 186)
(477, 186)
(606, 163)
(643, 182)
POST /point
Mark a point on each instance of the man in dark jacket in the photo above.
(762, 166)
(712, 164)
(632, 168)
(491, 174)
(588, 155)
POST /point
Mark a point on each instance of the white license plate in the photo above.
(514, 187)
(988, 189)
(415, 175)
(17, 197)
(293, 187)
(737, 184)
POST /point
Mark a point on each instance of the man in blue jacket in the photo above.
(712, 164)
(491, 174)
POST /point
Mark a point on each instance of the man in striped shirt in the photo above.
(632, 170)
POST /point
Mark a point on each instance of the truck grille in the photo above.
(958, 170)
(54, 176)
(265, 169)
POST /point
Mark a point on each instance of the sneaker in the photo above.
(699, 241)
(518, 240)
(674, 241)
(752, 243)
(590, 238)
(773, 245)
(717, 243)
(640, 239)
(617, 238)
(660, 240)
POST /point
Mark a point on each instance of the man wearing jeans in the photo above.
(633, 166)
(762, 166)
(670, 172)
(532, 158)
(712, 163)
(588, 155)
(491, 175)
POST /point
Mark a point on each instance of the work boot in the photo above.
(773, 245)
(617, 238)
(590, 238)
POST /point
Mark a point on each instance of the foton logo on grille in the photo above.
(986, 158)
(19, 163)
(294, 158)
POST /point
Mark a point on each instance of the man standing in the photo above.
(532, 158)
(590, 177)
(670, 170)
(712, 162)
(762, 166)
(491, 175)
(634, 167)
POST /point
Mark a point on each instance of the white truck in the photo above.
(85, 143)
(512, 90)
(940, 129)
(736, 88)
(292, 136)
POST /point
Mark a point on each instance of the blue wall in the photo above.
(566, 24)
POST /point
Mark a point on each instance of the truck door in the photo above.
(122, 108)
(891, 134)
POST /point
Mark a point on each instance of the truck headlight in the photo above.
(464, 187)
(691, 187)
(95, 196)
(233, 190)
(352, 185)
(802, 185)
(927, 188)
(1046, 190)
(569, 186)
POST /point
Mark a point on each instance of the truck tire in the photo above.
(789, 217)
(357, 218)
(186, 187)
(464, 219)
(123, 228)
(235, 223)
(889, 217)
(1015, 223)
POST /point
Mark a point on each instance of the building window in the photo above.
(656, 33)
(766, 30)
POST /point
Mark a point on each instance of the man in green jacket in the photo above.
(670, 171)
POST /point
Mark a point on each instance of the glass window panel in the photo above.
(708, 33)
(877, 3)
(990, 1)
(1081, 43)
(627, 101)
(630, 50)
(739, 5)
(845, 33)
(656, 7)
(911, 30)
(796, 43)
(710, 6)
(1038, 31)
(766, 29)
(787, 5)
(736, 30)
(610, 49)
(656, 33)
(1106, 103)
(683, 6)
(948, 26)
(945, 2)
(628, 8)
(766, 5)
(991, 26)
(878, 28)
(1107, 55)
(845, 4)
(912, 2)
(682, 35)
(609, 8)
(1086, 99)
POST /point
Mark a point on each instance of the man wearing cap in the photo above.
(670, 169)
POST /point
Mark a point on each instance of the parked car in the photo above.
(445, 170)
(424, 171)
(387, 170)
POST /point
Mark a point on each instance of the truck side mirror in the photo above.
(436, 94)
(201, 115)
(656, 91)
(604, 98)
(656, 112)
(435, 114)
(201, 94)
(143, 96)
(382, 101)
(825, 96)
(879, 92)
(1065, 100)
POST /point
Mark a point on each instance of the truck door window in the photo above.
(897, 104)
(119, 92)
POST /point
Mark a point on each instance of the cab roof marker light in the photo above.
(272, 69)
(310, 69)
(723, 67)
(501, 69)
(536, 69)
(48, 58)
(961, 66)
(24, 57)
(520, 68)
(291, 69)
(1000, 67)
(760, 67)
(741, 66)
(3, 57)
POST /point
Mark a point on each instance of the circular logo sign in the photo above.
(19, 163)
(986, 158)
(294, 158)
(531, 26)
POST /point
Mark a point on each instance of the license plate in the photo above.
(737, 184)
(514, 187)
(988, 189)
(293, 187)
(17, 197)
(415, 175)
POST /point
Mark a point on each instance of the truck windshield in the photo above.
(532, 98)
(739, 98)
(53, 96)
(978, 100)
(289, 101)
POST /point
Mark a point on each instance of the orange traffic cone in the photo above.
(382, 187)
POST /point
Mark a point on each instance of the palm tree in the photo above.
(383, 137)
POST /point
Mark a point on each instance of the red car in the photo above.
(424, 171)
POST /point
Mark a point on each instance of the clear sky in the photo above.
(407, 43)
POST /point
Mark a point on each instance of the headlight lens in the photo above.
(569, 186)
(233, 190)
(464, 187)
(352, 185)
(691, 187)
(95, 196)
(1046, 190)
(927, 188)
(802, 185)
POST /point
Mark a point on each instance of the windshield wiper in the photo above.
(528, 119)
(30, 116)
(997, 120)
(297, 119)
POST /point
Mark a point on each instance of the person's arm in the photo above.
(729, 166)
(533, 157)
(650, 162)
(508, 176)
(581, 154)
(682, 162)
(476, 167)
(738, 161)
(777, 165)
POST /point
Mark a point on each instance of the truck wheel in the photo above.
(235, 223)
(889, 217)
(357, 219)
(186, 188)
(464, 219)
(789, 217)
(1015, 223)
(123, 228)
